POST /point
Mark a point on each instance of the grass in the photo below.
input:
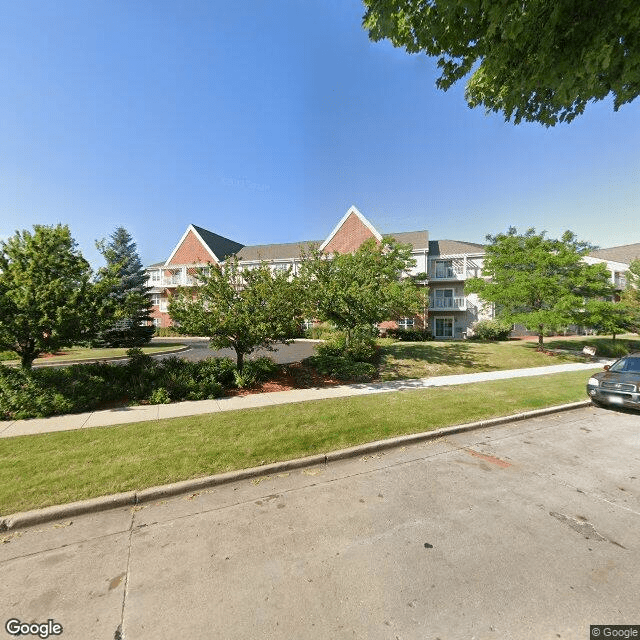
(88, 353)
(605, 347)
(54, 468)
(425, 359)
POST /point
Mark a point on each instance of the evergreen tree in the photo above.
(126, 320)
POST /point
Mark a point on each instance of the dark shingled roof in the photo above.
(625, 253)
(285, 251)
(453, 247)
(417, 239)
(221, 247)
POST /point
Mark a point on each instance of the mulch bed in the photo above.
(292, 376)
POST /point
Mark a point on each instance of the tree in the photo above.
(126, 313)
(631, 296)
(540, 282)
(360, 289)
(240, 309)
(606, 317)
(44, 292)
(533, 60)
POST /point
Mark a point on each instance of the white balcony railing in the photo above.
(446, 274)
(179, 280)
(453, 304)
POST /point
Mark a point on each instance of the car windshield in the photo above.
(626, 364)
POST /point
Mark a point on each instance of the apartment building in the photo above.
(617, 260)
(443, 265)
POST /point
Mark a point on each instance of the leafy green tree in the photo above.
(606, 317)
(631, 296)
(360, 289)
(45, 292)
(537, 281)
(126, 313)
(533, 60)
(243, 309)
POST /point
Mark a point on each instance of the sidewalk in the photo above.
(141, 413)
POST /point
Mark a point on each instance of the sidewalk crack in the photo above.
(119, 633)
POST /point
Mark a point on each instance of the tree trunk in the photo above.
(239, 361)
(613, 337)
(540, 337)
(27, 358)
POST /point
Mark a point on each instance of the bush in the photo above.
(323, 331)
(86, 387)
(410, 335)
(166, 332)
(491, 330)
(362, 347)
(342, 367)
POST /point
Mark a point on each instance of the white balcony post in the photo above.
(464, 266)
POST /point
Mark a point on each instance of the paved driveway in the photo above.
(523, 531)
(284, 353)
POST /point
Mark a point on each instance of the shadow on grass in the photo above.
(605, 347)
(453, 355)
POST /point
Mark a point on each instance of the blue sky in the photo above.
(264, 122)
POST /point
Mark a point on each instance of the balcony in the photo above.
(446, 274)
(175, 280)
(448, 304)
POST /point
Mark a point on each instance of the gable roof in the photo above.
(286, 251)
(417, 239)
(625, 253)
(353, 210)
(218, 247)
(454, 247)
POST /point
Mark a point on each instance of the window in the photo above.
(155, 299)
(406, 323)
(156, 322)
(444, 269)
(443, 298)
(164, 305)
(444, 327)
(155, 276)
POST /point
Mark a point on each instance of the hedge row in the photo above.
(86, 387)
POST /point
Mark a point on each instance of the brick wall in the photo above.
(190, 251)
(350, 236)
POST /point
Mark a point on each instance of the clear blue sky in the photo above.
(265, 121)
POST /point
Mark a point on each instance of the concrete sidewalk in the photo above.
(141, 413)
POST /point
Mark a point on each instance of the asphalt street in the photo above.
(199, 350)
(528, 530)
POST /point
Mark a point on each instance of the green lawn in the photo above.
(87, 353)
(54, 468)
(424, 359)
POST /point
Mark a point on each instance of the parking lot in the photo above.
(526, 530)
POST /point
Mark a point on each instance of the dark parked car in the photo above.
(618, 384)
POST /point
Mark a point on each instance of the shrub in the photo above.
(410, 335)
(342, 367)
(159, 396)
(491, 330)
(323, 331)
(362, 347)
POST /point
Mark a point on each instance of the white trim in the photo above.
(202, 242)
(362, 219)
(453, 326)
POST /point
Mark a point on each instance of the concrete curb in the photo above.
(68, 363)
(131, 498)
